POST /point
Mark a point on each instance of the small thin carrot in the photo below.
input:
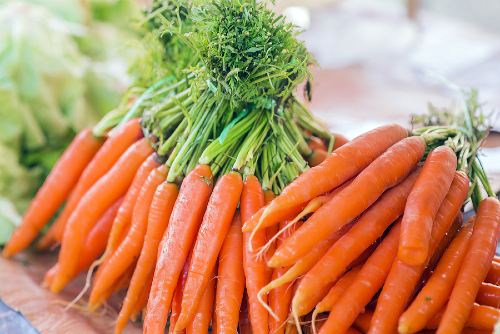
(489, 295)
(437, 290)
(130, 249)
(364, 286)
(252, 199)
(102, 194)
(316, 143)
(114, 146)
(363, 321)
(203, 316)
(213, 230)
(403, 278)
(494, 273)
(142, 301)
(481, 317)
(423, 203)
(337, 290)
(474, 268)
(176, 244)
(340, 166)
(369, 227)
(94, 244)
(230, 281)
(317, 157)
(159, 215)
(385, 172)
(340, 140)
(177, 300)
(54, 191)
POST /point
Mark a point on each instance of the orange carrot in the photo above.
(176, 243)
(130, 249)
(403, 278)
(386, 171)
(437, 290)
(364, 286)
(54, 191)
(203, 315)
(423, 203)
(370, 226)
(252, 199)
(363, 321)
(340, 141)
(474, 268)
(104, 159)
(177, 300)
(213, 230)
(337, 290)
(159, 214)
(316, 143)
(94, 244)
(494, 273)
(230, 281)
(124, 216)
(340, 166)
(489, 295)
(142, 300)
(102, 194)
(481, 317)
(317, 157)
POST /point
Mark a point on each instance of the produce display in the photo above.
(215, 201)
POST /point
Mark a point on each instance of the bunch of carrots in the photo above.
(217, 201)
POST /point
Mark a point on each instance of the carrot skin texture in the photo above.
(340, 140)
(252, 199)
(402, 278)
(176, 244)
(105, 192)
(177, 300)
(423, 203)
(386, 171)
(489, 295)
(494, 273)
(317, 157)
(437, 290)
(370, 226)
(337, 290)
(159, 215)
(54, 191)
(130, 249)
(230, 281)
(114, 146)
(474, 268)
(142, 300)
(213, 230)
(340, 166)
(481, 317)
(203, 316)
(364, 286)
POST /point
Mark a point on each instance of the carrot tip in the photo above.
(403, 328)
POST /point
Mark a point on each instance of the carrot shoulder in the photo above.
(386, 171)
(54, 191)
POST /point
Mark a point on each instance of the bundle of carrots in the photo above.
(217, 200)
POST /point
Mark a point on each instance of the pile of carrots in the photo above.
(238, 216)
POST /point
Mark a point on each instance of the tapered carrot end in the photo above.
(404, 328)
(6, 253)
(58, 283)
(45, 242)
(274, 262)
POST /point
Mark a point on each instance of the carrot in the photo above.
(337, 290)
(363, 321)
(94, 244)
(230, 281)
(340, 141)
(124, 216)
(177, 300)
(481, 317)
(496, 258)
(423, 203)
(474, 268)
(494, 273)
(213, 230)
(105, 192)
(130, 249)
(437, 290)
(244, 323)
(317, 157)
(386, 171)
(280, 298)
(104, 159)
(176, 243)
(489, 295)
(159, 214)
(316, 143)
(364, 286)
(203, 315)
(54, 191)
(370, 226)
(402, 278)
(340, 166)
(142, 300)
(252, 199)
